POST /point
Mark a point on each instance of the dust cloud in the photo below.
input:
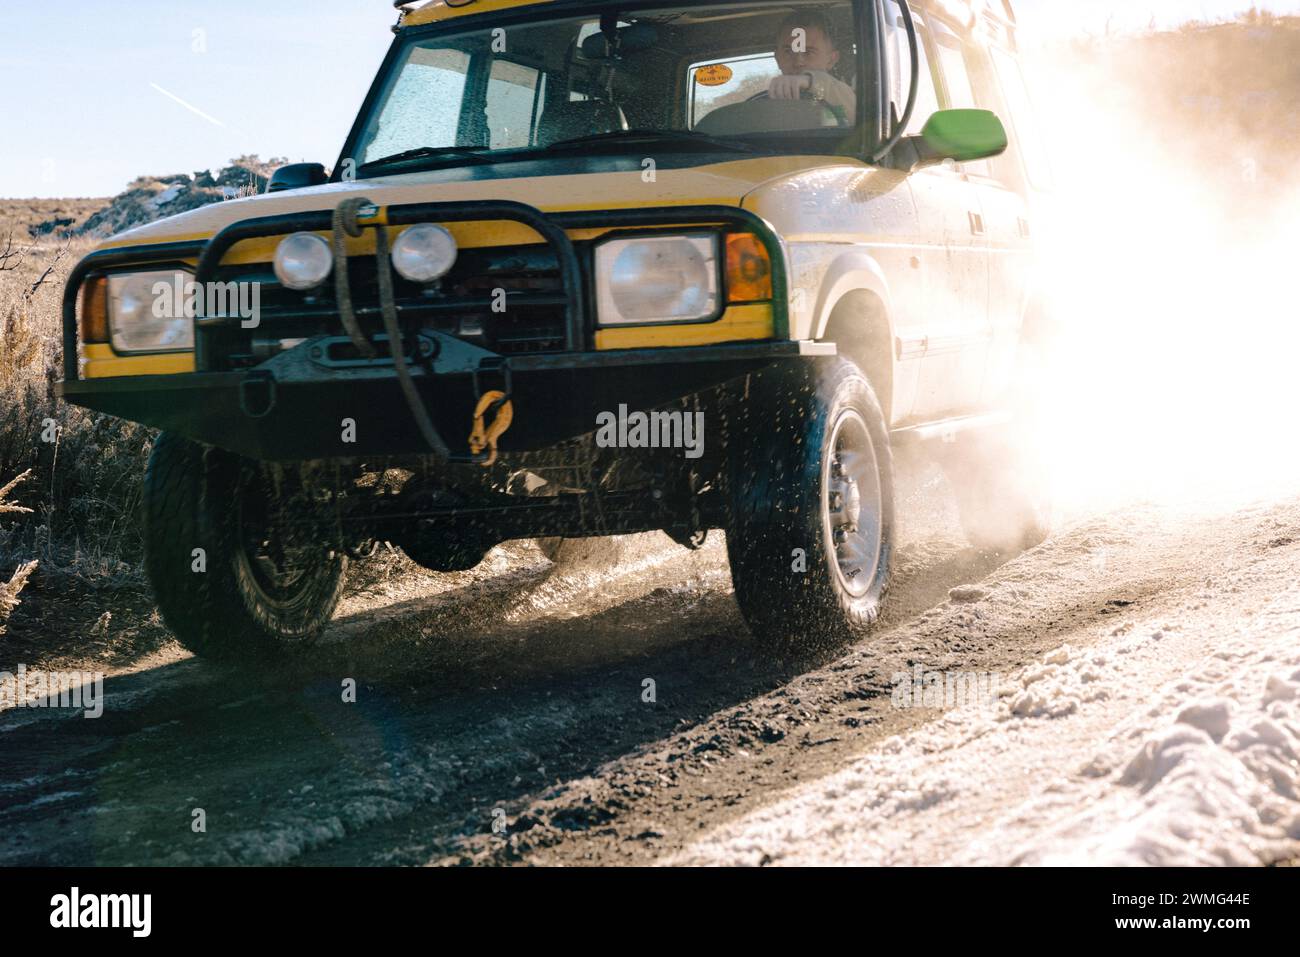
(1171, 263)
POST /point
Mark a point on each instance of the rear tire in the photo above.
(552, 547)
(1003, 498)
(1002, 486)
(429, 545)
(231, 602)
(811, 530)
(446, 556)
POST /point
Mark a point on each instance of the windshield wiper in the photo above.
(427, 152)
(638, 136)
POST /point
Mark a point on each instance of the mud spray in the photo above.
(1171, 265)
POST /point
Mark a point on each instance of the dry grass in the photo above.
(9, 590)
(25, 217)
(80, 502)
(8, 507)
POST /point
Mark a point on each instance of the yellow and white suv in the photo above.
(586, 269)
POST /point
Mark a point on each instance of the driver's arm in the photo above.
(836, 94)
(822, 86)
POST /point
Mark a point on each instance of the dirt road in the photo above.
(504, 715)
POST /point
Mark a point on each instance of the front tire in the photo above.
(811, 530)
(234, 581)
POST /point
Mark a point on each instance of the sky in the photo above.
(98, 92)
(1069, 16)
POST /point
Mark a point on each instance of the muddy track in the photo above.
(645, 806)
(514, 696)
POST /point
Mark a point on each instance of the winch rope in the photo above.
(388, 306)
(345, 225)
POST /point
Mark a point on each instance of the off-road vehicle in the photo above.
(585, 269)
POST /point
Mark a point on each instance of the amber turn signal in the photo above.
(94, 310)
(749, 269)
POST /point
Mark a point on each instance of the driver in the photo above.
(806, 53)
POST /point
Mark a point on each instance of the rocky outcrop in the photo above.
(154, 197)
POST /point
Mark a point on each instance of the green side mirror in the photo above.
(963, 136)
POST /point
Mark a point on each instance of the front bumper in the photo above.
(300, 405)
(289, 409)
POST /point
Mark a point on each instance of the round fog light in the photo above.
(303, 261)
(424, 253)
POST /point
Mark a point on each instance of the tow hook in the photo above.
(257, 394)
(485, 436)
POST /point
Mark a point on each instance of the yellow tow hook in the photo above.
(486, 436)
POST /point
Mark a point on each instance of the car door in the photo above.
(967, 77)
(919, 252)
(1014, 201)
(950, 252)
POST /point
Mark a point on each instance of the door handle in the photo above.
(976, 224)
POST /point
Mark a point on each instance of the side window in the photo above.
(512, 101)
(900, 68)
(717, 83)
(1023, 123)
(758, 50)
(957, 81)
(583, 73)
(425, 106)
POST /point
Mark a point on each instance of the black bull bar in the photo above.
(294, 406)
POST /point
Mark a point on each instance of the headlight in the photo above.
(150, 311)
(303, 261)
(424, 253)
(657, 279)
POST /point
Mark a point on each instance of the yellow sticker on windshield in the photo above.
(715, 75)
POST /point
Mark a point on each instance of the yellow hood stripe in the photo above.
(469, 235)
(440, 10)
(720, 184)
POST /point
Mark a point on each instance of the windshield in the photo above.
(711, 76)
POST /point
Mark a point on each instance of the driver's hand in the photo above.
(789, 87)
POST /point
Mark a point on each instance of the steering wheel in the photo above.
(765, 95)
(804, 96)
